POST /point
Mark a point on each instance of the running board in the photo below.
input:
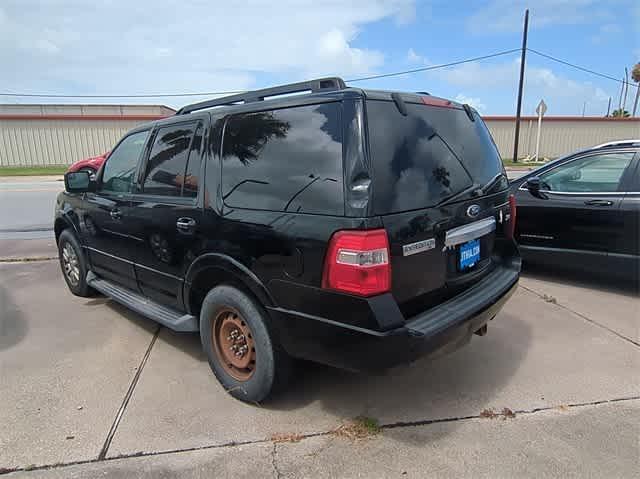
(168, 317)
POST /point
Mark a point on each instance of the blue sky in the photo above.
(73, 47)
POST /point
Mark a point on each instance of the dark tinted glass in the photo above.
(192, 176)
(433, 153)
(168, 160)
(285, 160)
(120, 167)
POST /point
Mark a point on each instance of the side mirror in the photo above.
(79, 182)
(533, 185)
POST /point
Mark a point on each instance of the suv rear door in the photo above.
(165, 214)
(438, 184)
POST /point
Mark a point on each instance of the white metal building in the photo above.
(61, 134)
(559, 135)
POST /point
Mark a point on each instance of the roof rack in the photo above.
(320, 84)
(618, 143)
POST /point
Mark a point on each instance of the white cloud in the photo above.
(472, 101)
(153, 46)
(508, 15)
(413, 57)
(333, 49)
(563, 95)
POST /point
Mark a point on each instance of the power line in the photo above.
(435, 67)
(578, 67)
(211, 93)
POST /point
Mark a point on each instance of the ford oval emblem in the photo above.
(473, 211)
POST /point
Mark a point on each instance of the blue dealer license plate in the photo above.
(469, 254)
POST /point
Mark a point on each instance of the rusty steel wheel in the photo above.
(234, 344)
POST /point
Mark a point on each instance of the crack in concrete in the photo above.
(33, 259)
(395, 425)
(582, 316)
(524, 412)
(274, 459)
(125, 402)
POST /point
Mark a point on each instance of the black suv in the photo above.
(356, 228)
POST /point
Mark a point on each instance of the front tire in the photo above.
(73, 264)
(243, 352)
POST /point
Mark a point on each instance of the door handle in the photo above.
(186, 224)
(598, 203)
(116, 214)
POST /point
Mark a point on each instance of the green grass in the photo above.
(369, 424)
(512, 163)
(509, 162)
(32, 170)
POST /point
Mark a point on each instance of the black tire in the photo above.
(273, 366)
(78, 286)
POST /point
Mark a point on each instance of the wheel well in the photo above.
(208, 279)
(59, 226)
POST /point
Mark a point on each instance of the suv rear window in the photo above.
(284, 160)
(174, 163)
(432, 154)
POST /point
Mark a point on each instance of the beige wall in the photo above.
(559, 136)
(58, 142)
(67, 109)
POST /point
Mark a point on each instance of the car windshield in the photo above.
(428, 156)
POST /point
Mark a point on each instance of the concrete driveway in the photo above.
(90, 389)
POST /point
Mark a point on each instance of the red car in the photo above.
(91, 164)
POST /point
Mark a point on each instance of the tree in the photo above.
(635, 75)
(619, 113)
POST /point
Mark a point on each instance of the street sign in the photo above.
(541, 109)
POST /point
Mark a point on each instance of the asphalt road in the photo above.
(27, 206)
(90, 389)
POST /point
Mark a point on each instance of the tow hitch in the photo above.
(482, 331)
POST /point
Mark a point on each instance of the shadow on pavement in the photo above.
(13, 325)
(627, 287)
(424, 390)
(186, 342)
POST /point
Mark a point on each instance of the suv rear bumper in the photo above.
(440, 329)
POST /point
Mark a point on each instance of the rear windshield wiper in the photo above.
(475, 190)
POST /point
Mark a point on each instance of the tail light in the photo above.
(357, 262)
(511, 226)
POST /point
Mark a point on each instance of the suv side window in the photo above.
(285, 160)
(591, 174)
(168, 165)
(119, 169)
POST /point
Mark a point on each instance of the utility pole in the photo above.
(626, 89)
(523, 56)
(609, 107)
(635, 103)
(584, 107)
(621, 92)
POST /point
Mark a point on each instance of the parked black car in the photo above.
(352, 227)
(581, 211)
